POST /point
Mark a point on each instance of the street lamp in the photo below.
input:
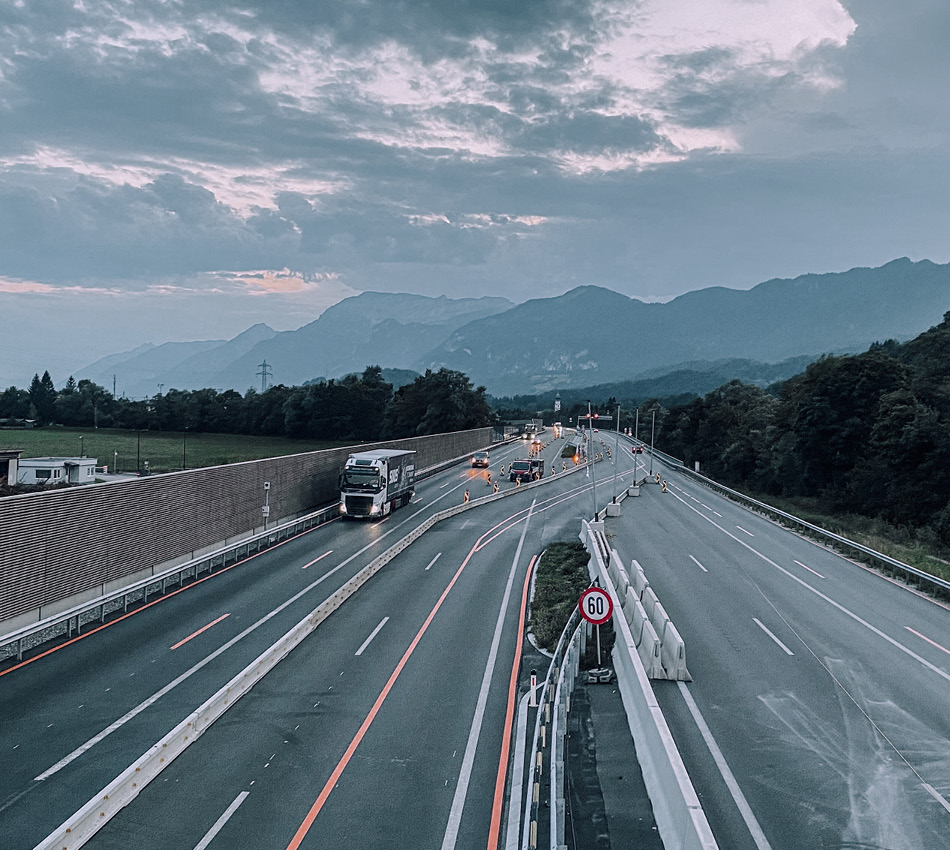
(80, 446)
(184, 448)
(590, 460)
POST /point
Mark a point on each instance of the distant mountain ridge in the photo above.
(585, 337)
(593, 335)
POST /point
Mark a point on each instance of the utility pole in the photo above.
(264, 374)
(113, 386)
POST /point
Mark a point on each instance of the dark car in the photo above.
(480, 459)
(520, 470)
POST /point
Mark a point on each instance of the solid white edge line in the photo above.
(373, 634)
(765, 629)
(465, 774)
(698, 564)
(513, 830)
(221, 821)
(745, 810)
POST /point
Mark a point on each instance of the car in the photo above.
(480, 459)
(638, 450)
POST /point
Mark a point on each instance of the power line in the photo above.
(264, 374)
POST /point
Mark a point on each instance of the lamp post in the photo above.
(80, 446)
(590, 461)
(616, 453)
(115, 461)
(184, 448)
(652, 432)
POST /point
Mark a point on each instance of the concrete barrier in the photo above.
(679, 815)
(76, 830)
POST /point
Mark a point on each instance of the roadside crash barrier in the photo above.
(679, 815)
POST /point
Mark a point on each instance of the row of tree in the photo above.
(868, 434)
(357, 407)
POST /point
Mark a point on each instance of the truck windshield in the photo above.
(366, 479)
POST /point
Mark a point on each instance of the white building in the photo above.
(55, 470)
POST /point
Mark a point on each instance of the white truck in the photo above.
(374, 483)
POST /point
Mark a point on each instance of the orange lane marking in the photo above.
(304, 827)
(317, 559)
(924, 637)
(499, 803)
(84, 635)
(183, 641)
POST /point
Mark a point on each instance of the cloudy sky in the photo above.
(182, 169)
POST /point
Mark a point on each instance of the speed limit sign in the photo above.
(596, 605)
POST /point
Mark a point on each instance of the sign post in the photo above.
(596, 607)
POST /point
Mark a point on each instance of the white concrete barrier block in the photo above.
(649, 601)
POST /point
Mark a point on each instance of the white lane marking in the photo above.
(436, 558)
(221, 821)
(895, 643)
(125, 718)
(809, 569)
(698, 564)
(447, 484)
(924, 637)
(464, 524)
(468, 760)
(693, 498)
(718, 514)
(765, 629)
(747, 532)
(706, 506)
(937, 796)
(318, 558)
(741, 803)
(373, 634)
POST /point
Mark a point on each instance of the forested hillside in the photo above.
(868, 434)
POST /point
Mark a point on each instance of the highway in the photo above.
(383, 729)
(816, 718)
(818, 712)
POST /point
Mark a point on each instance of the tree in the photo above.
(437, 402)
(43, 398)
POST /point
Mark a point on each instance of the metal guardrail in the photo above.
(71, 620)
(817, 531)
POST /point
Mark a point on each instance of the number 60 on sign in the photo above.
(596, 605)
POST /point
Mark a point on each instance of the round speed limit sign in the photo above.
(596, 605)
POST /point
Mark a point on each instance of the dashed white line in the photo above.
(698, 564)
(765, 629)
(747, 532)
(368, 640)
(803, 566)
(432, 562)
(221, 821)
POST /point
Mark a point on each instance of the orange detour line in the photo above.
(499, 801)
(304, 827)
(183, 641)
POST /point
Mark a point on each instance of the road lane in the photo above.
(846, 740)
(397, 787)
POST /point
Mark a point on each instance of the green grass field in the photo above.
(165, 451)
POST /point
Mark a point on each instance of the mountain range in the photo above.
(587, 336)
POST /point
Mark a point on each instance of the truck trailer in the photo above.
(374, 483)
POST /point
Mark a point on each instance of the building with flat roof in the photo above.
(56, 470)
(9, 459)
